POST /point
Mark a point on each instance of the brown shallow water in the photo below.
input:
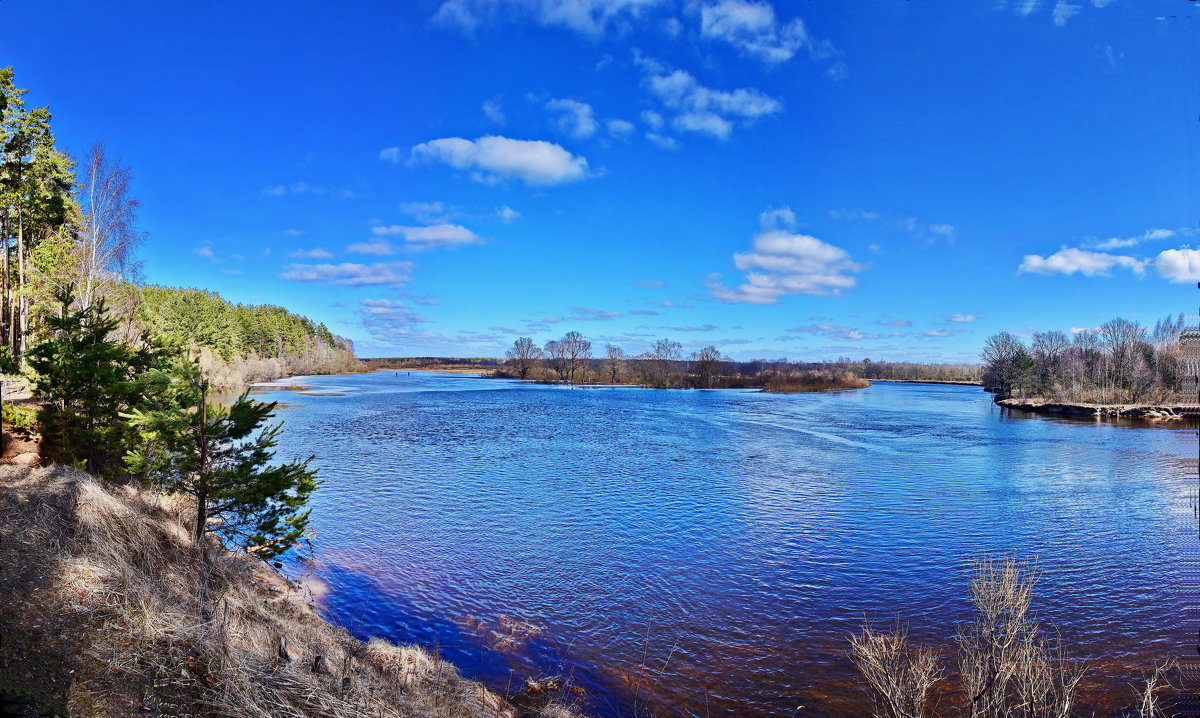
(707, 553)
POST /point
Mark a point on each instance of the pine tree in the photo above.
(208, 452)
(85, 380)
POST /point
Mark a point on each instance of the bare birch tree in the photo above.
(109, 234)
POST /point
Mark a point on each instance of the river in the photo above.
(708, 552)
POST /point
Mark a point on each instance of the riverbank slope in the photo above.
(108, 609)
(1168, 411)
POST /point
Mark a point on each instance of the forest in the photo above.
(71, 222)
(1120, 362)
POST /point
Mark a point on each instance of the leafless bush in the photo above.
(1008, 666)
(900, 677)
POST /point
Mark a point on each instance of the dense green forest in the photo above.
(240, 343)
(69, 221)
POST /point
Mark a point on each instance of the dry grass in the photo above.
(186, 631)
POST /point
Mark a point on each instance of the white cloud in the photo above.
(506, 214)
(701, 109)
(573, 118)
(274, 191)
(1147, 236)
(493, 158)
(394, 274)
(315, 253)
(376, 247)
(782, 218)
(205, 252)
(388, 320)
(292, 232)
(426, 237)
(494, 112)
(962, 318)
(782, 263)
(588, 17)
(663, 141)
(1026, 7)
(391, 154)
(1064, 11)
(1178, 265)
(619, 128)
(653, 119)
(837, 333)
(752, 28)
(1071, 260)
(427, 212)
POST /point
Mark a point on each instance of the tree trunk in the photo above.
(23, 324)
(201, 495)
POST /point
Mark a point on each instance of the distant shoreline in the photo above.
(958, 382)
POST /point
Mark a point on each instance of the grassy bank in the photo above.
(107, 608)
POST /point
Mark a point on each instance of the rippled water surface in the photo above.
(708, 552)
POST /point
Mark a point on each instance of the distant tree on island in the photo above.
(523, 355)
(1119, 362)
(568, 360)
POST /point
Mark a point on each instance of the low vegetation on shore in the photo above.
(1121, 363)
(111, 608)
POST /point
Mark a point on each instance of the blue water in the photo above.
(708, 552)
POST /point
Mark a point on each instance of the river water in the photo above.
(708, 552)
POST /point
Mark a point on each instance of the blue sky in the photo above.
(879, 179)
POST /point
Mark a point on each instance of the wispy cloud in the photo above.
(700, 109)
(314, 253)
(835, 332)
(507, 214)
(753, 29)
(393, 274)
(416, 238)
(572, 117)
(962, 318)
(493, 110)
(494, 159)
(930, 232)
(588, 17)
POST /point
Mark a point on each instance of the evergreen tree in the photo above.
(208, 452)
(85, 379)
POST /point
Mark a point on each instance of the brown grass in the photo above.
(185, 631)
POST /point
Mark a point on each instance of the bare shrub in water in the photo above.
(1008, 666)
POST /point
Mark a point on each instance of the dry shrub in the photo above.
(809, 380)
(1009, 666)
(209, 632)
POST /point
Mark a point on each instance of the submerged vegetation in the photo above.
(1010, 665)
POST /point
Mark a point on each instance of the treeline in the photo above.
(242, 343)
(72, 222)
(570, 360)
(1121, 362)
